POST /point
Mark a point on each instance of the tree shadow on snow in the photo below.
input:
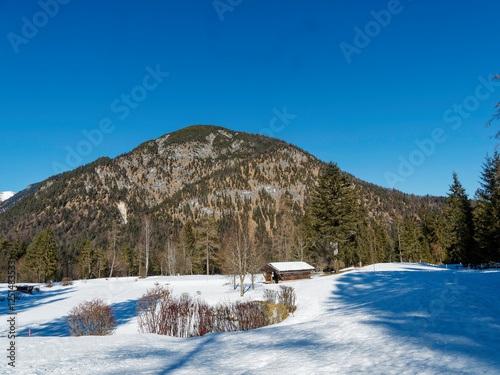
(453, 312)
(55, 328)
(124, 311)
(246, 287)
(28, 301)
(167, 352)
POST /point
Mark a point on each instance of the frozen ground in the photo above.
(398, 319)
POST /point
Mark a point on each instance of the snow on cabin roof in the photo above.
(291, 266)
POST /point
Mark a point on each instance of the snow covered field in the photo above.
(399, 319)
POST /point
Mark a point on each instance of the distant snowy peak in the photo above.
(6, 195)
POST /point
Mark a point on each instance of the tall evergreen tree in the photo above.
(336, 214)
(87, 259)
(41, 256)
(487, 215)
(459, 225)
(187, 243)
(410, 240)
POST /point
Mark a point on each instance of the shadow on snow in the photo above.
(450, 311)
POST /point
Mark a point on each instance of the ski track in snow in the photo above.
(399, 319)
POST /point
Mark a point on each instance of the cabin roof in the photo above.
(289, 266)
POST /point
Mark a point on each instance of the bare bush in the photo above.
(67, 281)
(186, 316)
(159, 312)
(150, 307)
(270, 296)
(250, 315)
(287, 297)
(91, 318)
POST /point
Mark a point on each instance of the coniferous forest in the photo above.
(212, 211)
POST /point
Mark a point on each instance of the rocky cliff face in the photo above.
(181, 176)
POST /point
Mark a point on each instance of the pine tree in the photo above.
(207, 244)
(459, 225)
(187, 242)
(336, 214)
(49, 253)
(410, 244)
(87, 259)
(41, 256)
(487, 215)
(434, 235)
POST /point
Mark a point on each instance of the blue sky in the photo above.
(397, 93)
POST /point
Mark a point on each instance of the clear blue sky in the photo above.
(363, 101)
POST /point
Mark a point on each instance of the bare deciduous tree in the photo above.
(207, 241)
(147, 231)
(111, 254)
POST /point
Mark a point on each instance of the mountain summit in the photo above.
(181, 176)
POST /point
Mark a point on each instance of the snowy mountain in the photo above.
(16, 197)
(6, 195)
(399, 318)
(179, 177)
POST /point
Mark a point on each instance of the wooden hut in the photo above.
(286, 271)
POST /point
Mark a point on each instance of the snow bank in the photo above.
(387, 319)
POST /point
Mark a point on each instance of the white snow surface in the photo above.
(383, 319)
(291, 266)
(4, 195)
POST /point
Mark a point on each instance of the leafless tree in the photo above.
(147, 231)
(207, 241)
(238, 251)
(169, 257)
(111, 254)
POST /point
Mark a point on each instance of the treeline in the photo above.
(336, 230)
(467, 231)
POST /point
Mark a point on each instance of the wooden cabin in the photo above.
(286, 271)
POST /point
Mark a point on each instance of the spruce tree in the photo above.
(187, 242)
(487, 214)
(459, 225)
(336, 214)
(87, 259)
(41, 256)
(410, 240)
(49, 253)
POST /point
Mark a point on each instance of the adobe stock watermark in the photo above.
(31, 26)
(278, 122)
(454, 116)
(224, 6)
(122, 107)
(11, 314)
(363, 36)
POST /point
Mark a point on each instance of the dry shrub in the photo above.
(185, 316)
(48, 284)
(67, 281)
(270, 296)
(91, 318)
(275, 313)
(159, 312)
(287, 297)
(250, 315)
